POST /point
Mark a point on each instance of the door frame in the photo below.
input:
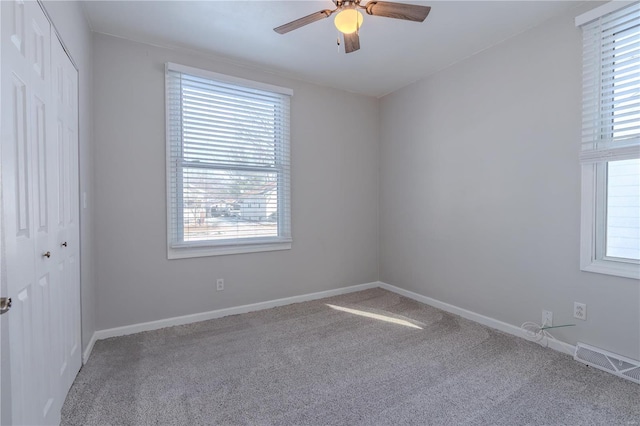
(5, 371)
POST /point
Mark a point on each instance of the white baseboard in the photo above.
(481, 319)
(219, 313)
(89, 348)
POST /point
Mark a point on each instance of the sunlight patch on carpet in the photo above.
(374, 316)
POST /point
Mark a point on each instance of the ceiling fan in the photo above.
(349, 19)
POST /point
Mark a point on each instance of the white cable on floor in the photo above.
(536, 333)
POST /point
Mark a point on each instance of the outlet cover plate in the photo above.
(580, 311)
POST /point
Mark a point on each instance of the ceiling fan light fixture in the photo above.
(348, 21)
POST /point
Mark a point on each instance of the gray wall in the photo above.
(480, 191)
(69, 20)
(334, 148)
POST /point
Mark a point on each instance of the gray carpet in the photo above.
(311, 364)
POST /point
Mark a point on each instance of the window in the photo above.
(610, 154)
(227, 164)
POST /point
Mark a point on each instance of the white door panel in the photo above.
(66, 124)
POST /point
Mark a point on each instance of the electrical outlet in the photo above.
(580, 311)
(547, 318)
(220, 284)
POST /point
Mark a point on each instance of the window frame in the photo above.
(593, 227)
(594, 186)
(186, 249)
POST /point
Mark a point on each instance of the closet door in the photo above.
(40, 213)
(65, 131)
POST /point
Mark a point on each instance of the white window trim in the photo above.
(192, 251)
(205, 249)
(592, 222)
(229, 79)
(601, 10)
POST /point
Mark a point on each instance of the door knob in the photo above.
(47, 254)
(5, 304)
(64, 244)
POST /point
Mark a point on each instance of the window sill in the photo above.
(609, 267)
(205, 251)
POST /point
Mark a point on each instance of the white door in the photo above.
(67, 241)
(40, 213)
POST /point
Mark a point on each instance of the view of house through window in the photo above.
(224, 204)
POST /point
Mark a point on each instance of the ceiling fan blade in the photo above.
(351, 42)
(309, 19)
(409, 12)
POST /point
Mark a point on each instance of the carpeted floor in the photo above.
(313, 364)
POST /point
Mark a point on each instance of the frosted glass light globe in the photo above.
(348, 21)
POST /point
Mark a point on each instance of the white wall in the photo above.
(480, 191)
(334, 138)
(69, 20)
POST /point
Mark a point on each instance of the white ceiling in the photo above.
(393, 52)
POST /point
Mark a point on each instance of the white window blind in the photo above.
(611, 86)
(228, 162)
